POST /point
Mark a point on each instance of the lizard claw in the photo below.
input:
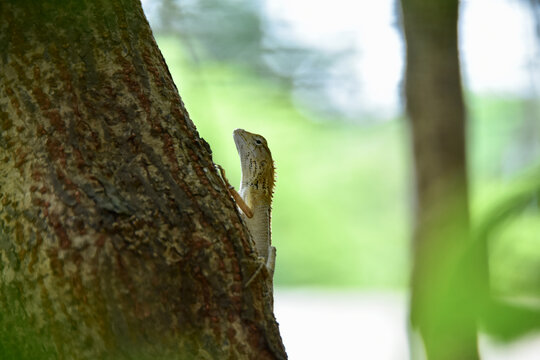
(223, 177)
(267, 267)
(254, 276)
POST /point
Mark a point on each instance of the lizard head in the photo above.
(256, 160)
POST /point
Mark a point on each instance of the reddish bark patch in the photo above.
(101, 240)
(168, 149)
(41, 98)
(60, 232)
(57, 265)
(20, 158)
(14, 101)
(41, 130)
(36, 175)
(79, 159)
(129, 77)
(56, 150)
(147, 57)
(56, 121)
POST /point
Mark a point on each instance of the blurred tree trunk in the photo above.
(117, 238)
(444, 280)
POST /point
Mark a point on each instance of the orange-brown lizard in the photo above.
(255, 195)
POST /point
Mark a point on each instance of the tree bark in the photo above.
(445, 276)
(117, 237)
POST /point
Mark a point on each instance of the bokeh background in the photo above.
(322, 81)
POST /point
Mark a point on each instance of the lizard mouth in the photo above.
(239, 132)
(239, 136)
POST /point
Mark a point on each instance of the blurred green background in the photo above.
(344, 201)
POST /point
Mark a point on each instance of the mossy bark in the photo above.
(117, 237)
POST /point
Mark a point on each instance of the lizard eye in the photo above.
(258, 142)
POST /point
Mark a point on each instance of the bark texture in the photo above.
(117, 237)
(443, 279)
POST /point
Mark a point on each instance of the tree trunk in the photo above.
(444, 278)
(117, 237)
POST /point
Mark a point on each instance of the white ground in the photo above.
(372, 326)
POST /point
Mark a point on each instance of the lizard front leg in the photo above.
(236, 196)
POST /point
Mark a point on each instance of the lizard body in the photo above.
(255, 195)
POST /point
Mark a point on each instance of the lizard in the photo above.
(255, 195)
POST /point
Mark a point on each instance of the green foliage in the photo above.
(509, 230)
(343, 201)
(510, 227)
